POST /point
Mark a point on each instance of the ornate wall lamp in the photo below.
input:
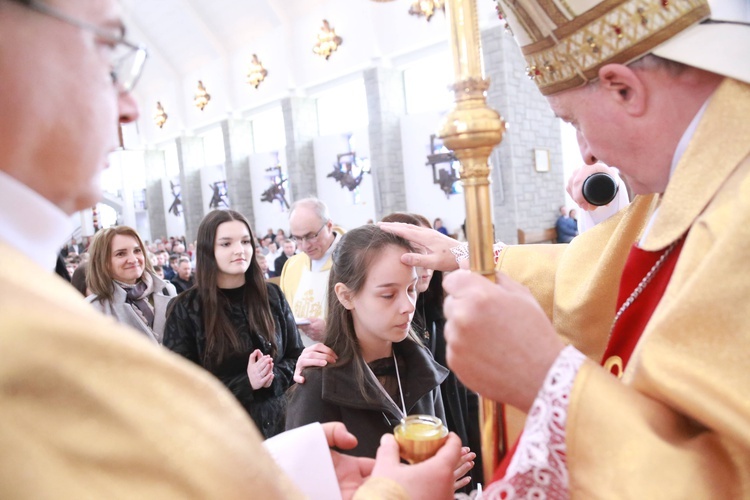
(445, 177)
(201, 96)
(426, 8)
(256, 73)
(328, 41)
(160, 117)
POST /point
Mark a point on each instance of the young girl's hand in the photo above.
(260, 370)
(465, 464)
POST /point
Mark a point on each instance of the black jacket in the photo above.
(184, 334)
(331, 394)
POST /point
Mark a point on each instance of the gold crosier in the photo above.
(472, 130)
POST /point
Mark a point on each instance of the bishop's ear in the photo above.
(344, 295)
(625, 86)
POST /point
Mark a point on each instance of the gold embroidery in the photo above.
(614, 366)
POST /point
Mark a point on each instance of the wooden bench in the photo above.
(548, 235)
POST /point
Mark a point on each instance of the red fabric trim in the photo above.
(627, 331)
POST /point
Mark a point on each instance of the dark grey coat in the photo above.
(331, 394)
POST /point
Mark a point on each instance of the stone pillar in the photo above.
(191, 158)
(523, 198)
(238, 144)
(385, 106)
(156, 174)
(301, 126)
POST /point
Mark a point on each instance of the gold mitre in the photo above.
(566, 42)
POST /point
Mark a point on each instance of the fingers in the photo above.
(448, 454)
(388, 450)
(338, 437)
(457, 485)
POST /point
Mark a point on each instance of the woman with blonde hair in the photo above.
(123, 284)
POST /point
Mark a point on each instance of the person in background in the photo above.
(184, 277)
(235, 324)
(263, 263)
(122, 282)
(304, 277)
(566, 227)
(289, 248)
(274, 252)
(438, 226)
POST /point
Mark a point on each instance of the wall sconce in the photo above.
(426, 8)
(328, 41)
(201, 97)
(256, 73)
(445, 177)
(160, 117)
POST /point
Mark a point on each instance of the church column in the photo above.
(238, 145)
(523, 198)
(191, 158)
(301, 126)
(385, 105)
(156, 174)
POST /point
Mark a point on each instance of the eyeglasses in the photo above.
(126, 60)
(308, 237)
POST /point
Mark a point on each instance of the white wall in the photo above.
(268, 214)
(422, 196)
(344, 211)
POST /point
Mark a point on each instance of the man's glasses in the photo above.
(127, 59)
(309, 236)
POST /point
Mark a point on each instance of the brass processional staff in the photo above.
(472, 130)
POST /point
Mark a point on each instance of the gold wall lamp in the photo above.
(328, 41)
(160, 117)
(201, 96)
(256, 73)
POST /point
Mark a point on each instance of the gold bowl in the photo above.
(419, 437)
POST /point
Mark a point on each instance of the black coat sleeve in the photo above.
(181, 330)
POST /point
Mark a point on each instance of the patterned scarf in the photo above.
(137, 296)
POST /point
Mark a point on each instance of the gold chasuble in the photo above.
(677, 424)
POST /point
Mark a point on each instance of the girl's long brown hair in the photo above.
(351, 261)
(221, 336)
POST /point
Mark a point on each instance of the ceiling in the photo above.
(213, 41)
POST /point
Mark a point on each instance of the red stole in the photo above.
(627, 330)
(630, 325)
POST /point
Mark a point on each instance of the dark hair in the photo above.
(221, 337)
(404, 217)
(351, 261)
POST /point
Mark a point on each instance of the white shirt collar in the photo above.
(317, 265)
(31, 223)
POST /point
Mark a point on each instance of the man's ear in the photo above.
(625, 86)
(344, 295)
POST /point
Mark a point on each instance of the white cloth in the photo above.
(304, 455)
(31, 223)
(310, 298)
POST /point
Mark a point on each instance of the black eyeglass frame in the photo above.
(308, 237)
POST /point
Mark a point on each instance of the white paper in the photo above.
(304, 455)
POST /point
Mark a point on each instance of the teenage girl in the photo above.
(382, 372)
(234, 323)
